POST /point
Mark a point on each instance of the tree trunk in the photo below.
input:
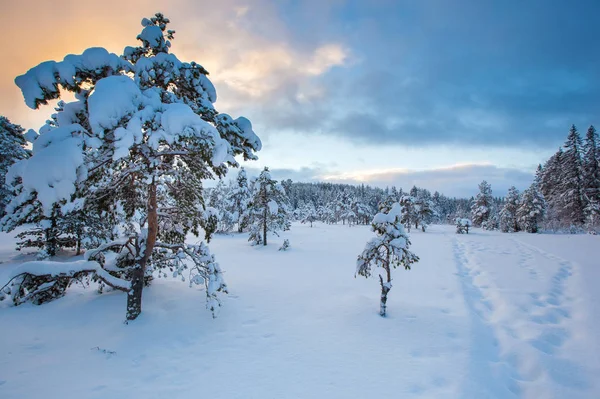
(265, 215)
(385, 287)
(51, 236)
(134, 295)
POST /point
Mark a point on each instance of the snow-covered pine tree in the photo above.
(268, 209)
(219, 199)
(388, 249)
(309, 214)
(148, 134)
(409, 211)
(508, 214)
(482, 206)
(549, 185)
(239, 198)
(591, 178)
(423, 209)
(531, 210)
(12, 149)
(571, 184)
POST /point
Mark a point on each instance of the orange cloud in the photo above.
(244, 45)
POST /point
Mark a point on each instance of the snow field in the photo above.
(483, 315)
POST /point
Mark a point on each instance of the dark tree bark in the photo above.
(134, 295)
(385, 287)
(265, 215)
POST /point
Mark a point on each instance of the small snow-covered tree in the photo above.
(268, 210)
(409, 211)
(12, 149)
(389, 249)
(423, 211)
(239, 198)
(219, 199)
(309, 214)
(136, 143)
(482, 206)
(531, 210)
(508, 214)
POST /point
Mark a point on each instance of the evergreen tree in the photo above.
(12, 149)
(549, 186)
(219, 199)
(571, 187)
(508, 214)
(409, 211)
(268, 211)
(591, 177)
(309, 214)
(388, 249)
(482, 206)
(239, 200)
(532, 207)
(423, 209)
(139, 139)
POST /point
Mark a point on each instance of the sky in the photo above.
(441, 94)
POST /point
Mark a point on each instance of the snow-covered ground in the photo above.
(484, 315)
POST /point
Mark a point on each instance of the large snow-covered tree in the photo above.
(591, 177)
(508, 214)
(482, 206)
(571, 184)
(136, 143)
(268, 210)
(388, 249)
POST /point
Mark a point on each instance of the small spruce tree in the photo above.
(482, 206)
(532, 209)
(508, 214)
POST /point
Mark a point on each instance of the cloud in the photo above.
(467, 74)
(247, 47)
(454, 180)
(504, 74)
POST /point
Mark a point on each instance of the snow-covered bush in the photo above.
(462, 225)
(135, 144)
(388, 249)
(285, 246)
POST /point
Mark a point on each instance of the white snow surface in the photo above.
(483, 315)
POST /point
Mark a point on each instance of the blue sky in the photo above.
(436, 93)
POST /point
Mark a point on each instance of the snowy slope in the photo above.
(481, 315)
